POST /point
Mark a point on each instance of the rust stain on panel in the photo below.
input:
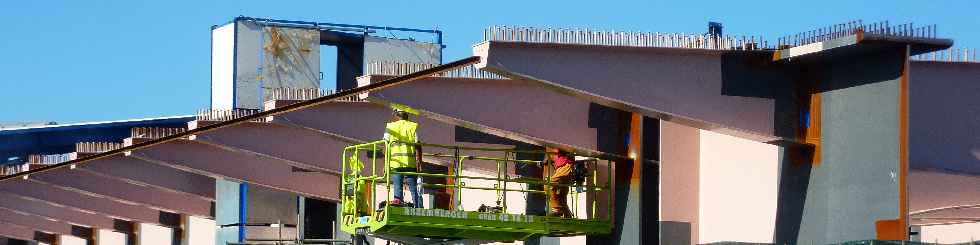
(812, 136)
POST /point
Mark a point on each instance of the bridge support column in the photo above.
(636, 180)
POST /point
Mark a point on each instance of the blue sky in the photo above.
(76, 61)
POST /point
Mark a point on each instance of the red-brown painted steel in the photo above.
(70, 216)
(86, 182)
(144, 173)
(304, 149)
(516, 109)
(210, 160)
(37, 222)
(16, 231)
(679, 85)
(81, 202)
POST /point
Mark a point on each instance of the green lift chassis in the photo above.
(437, 223)
(361, 179)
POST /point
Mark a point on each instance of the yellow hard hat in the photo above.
(403, 108)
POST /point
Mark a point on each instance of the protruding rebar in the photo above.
(399, 69)
(614, 38)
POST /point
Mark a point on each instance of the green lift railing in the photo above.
(360, 195)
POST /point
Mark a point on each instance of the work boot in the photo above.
(397, 203)
(560, 212)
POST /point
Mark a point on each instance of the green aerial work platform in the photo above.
(430, 225)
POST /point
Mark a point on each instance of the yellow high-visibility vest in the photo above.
(401, 132)
(358, 203)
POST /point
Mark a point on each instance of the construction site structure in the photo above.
(851, 133)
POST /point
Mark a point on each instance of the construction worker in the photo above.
(356, 190)
(558, 195)
(404, 153)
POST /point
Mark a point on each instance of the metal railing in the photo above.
(379, 171)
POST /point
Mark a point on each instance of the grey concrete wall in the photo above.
(944, 116)
(857, 180)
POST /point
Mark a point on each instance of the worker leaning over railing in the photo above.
(558, 192)
(404, 153)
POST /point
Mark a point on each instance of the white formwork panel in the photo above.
(200, 231)
(950, 234)
(71, 240)
(109, 237)
(150, 234)
(737, 189)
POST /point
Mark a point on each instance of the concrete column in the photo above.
(857, 188)
(636, 184)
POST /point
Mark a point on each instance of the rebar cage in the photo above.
(366, 184)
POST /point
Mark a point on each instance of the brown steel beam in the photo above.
(34, 221)
(16, 231)
(314, 152)
(59, 213)
(146, 174)
(515, 109)
(92, 184)
(216, 162)
(80, 202)
(258, 116)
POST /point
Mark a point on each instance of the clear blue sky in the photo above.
(76, 61)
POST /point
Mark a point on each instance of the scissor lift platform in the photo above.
(437, 223)
(449, 223)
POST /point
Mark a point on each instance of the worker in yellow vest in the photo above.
(404, 153)
(356, 189)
